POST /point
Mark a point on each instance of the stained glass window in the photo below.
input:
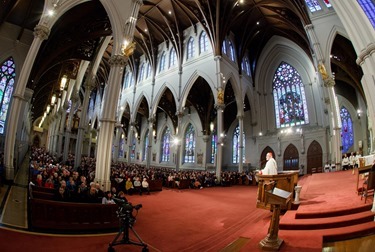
(368, 7)
(162, 62)
(236, 146)
(213, 147)
(165, 157)
(145, 146)
(289, 97)
(148, 70)
(246, 66)
(128, 80)
(190, 48)
(203, 42)
(224, 47)
(231, 50)
(313, 5)
(172, 57)
(7, 77)
(132, 153)
(142, 73)
(190, 144)
(122, 146)
(346, 130)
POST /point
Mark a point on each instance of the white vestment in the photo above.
(271, 167)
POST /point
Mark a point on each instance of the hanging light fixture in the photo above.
(53, 100)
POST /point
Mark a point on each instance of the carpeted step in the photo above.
(333, 213)
(289, 222)
(332, 234)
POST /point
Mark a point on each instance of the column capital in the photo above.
(219, 106)
(118, 60)
(329, 82)
(41, 31)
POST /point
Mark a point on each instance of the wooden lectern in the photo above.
(277, 198)
(286, 180)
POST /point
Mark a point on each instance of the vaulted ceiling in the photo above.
(79, 33)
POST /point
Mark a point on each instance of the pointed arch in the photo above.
(289, 97)
(314, 157)
(7, 79)
(291, 158)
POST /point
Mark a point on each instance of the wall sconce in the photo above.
(63, 82)
(53, 100)
(212, 127)
(359, 113)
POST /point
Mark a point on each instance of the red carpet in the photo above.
(213, 218)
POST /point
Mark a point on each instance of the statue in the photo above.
(220, 96)
(322, 71)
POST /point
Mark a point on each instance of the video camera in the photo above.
(126, 208)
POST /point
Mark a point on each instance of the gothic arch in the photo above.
(291, 158)
(314, 158)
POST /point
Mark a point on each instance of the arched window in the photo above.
(142, 73)
(203, 42)
(213, 147)
(121, 146)
(148, 70)
(246, 66)
(190, 48)
(7, 77)
(368, 7)
(165, 148)
(127, 80)
(289, 97)
(231, 50)
(162, 62)
(145, 146)
(224, 47)
(172, 57)
(190, 144)
(313, 5)
(132, 153)
(236, 145)
(347, 137)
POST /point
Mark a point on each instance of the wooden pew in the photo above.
(66, 216)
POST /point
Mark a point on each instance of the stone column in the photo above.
(221, 138)
(41, 33)
(151, 121)
(241, 147)
(179, 137)
(68, 129)
(89, 85)
(108, 121)
(207, 142)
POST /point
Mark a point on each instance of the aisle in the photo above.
(14, 200)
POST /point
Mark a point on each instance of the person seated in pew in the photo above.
(129, 186)
(145, 186)
(137, 185)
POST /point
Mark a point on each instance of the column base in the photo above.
(270, 244)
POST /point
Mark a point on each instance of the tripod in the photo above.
(126, 222)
